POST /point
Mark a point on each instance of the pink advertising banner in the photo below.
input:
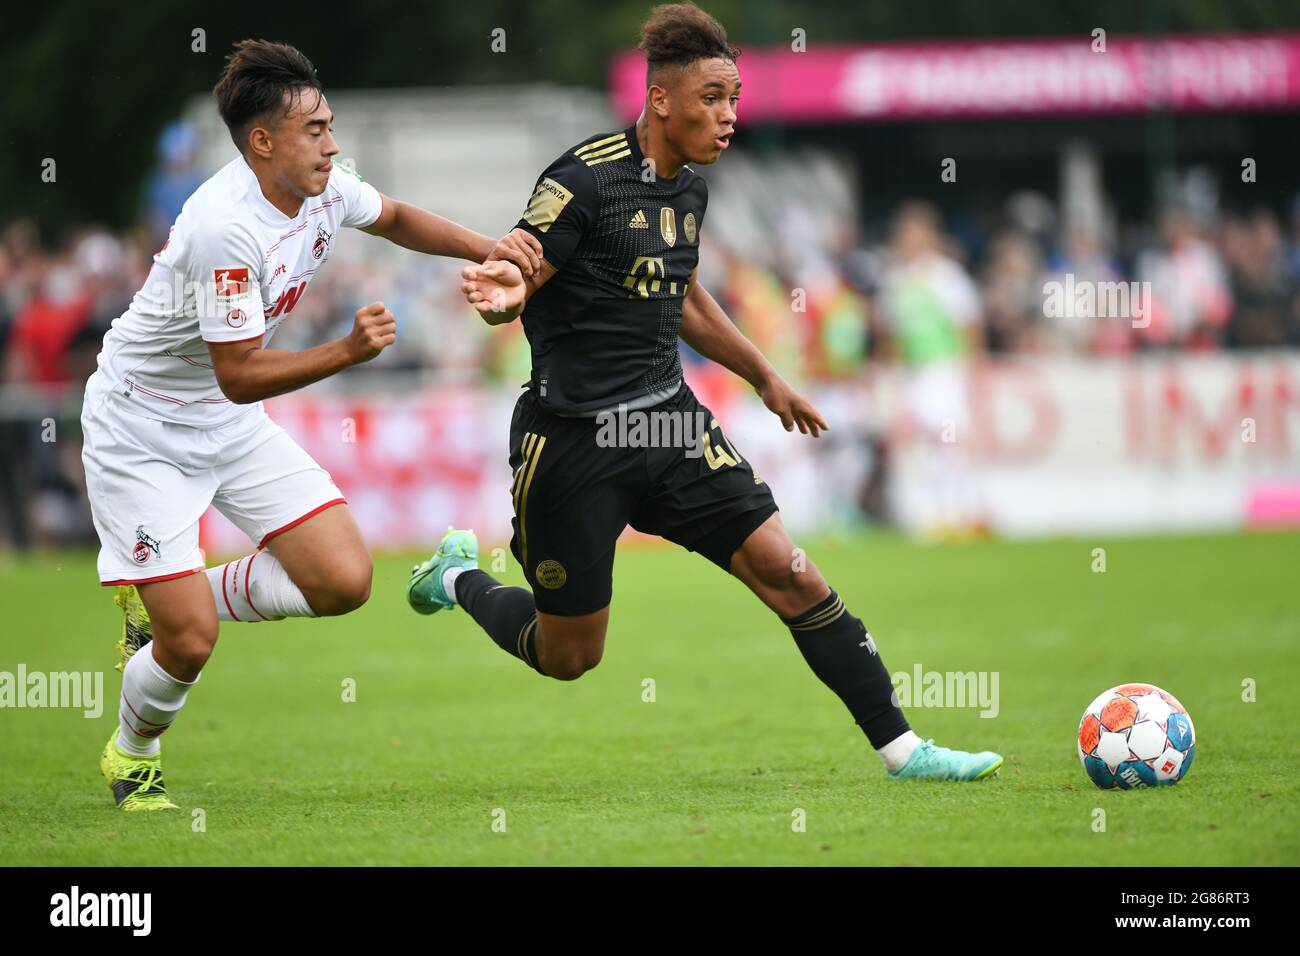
(1049, 446)
(913, 81)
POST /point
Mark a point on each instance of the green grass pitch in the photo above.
(446, 730)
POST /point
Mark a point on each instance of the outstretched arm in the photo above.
(248, 373)
(706, 328)
(414, 228)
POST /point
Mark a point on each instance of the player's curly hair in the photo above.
(253, 86)
(675, 35)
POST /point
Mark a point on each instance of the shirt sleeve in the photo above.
(563, 207)
(361, 201)
(702, 192)
(227, 265)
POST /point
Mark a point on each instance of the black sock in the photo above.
(839, 650)
(509, 615)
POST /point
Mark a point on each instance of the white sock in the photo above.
(449, 581)
(151, 699)
(256, 587)
(895, 753)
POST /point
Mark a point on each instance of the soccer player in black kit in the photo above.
(619, 218)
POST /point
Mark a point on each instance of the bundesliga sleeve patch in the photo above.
(231, 283)
(548, 201)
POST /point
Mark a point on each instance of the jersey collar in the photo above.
(662, 182)
(262, 206)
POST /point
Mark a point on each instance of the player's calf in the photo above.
(841, 652)
(556, 646)
(156, 681)
(834, 643)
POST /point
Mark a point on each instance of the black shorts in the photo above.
(578, 482)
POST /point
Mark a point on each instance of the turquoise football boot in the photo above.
(424, 592)
(929, 762)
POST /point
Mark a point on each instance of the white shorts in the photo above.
(149, 482)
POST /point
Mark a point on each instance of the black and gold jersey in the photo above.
(603, 330)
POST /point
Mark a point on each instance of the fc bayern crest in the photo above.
(322, 242)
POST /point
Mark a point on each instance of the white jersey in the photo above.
(233, 268)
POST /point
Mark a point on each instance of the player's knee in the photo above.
(347, 589)
(795, 576)
(193, 656)
(808, 585)
(572, 664)
(793, 588)
(187, 648)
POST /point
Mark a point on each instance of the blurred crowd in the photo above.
(820, 308)
(920, 294)
(819, 292)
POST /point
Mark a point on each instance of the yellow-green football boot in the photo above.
(136, 782)
(137, 629)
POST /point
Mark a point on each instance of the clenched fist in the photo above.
(374, 330)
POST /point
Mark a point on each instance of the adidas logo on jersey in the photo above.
(639, 221)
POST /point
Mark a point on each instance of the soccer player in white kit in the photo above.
(173, 419)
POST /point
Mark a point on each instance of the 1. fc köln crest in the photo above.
(322, 242)
(146, 546)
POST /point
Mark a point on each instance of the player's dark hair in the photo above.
(675, 35)
(261, 79)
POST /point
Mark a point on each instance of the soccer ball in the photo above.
(1134, 736)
